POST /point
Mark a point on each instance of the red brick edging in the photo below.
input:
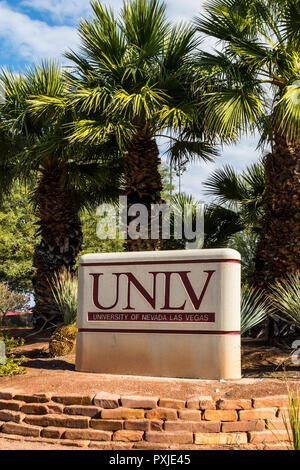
(141, 421)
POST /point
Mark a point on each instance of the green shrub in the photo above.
(62, 341)
(284, 297)
(12, 363)
(254, 308)
(292, 424)
(64, 288)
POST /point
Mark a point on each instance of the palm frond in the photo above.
(43, 81)
(287, 112)
(98, 132)
(185, 148)
(143, 104)
(174, 117)
(225, 20)
(90, 100)
(231, 111)
(240, 192)
(144, 25)
(291, 22)
(220, 225)
(226, 186)
(102, 39)
(179, 44)
(95, 183)
(259, 57)
(254, 53)
(46, 107)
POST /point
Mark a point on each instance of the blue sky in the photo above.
(31, 30)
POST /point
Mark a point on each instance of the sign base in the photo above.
(193, 355)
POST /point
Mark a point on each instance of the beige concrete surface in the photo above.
(149, 354)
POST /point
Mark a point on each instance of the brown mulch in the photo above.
(266, 371)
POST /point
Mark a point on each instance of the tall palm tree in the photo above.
(64, 177)
(220, 223)
(254, 84)
(133, 78)
(242, 193)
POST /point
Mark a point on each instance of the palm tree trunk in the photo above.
(143, 186)
(278, 252)
(61, 239)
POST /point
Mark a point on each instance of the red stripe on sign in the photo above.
(137, 263)
(175, 332)
(205, 317)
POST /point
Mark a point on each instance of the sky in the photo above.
(32, 30)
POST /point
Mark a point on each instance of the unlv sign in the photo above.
(128, 299)
(133, 305)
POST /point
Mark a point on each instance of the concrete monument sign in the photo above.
(168, 314)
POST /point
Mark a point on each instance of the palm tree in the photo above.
(242, 193)
(64, 177)
(133, 79)
(253, 80)
(220, 223)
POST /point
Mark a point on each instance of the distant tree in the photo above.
(91, 243)
(167, 182)
(245, 242)
(11, 301)
(17, 239)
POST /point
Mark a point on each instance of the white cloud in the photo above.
(60, 10)
(188, 9)
(25, 38)
(28, 39)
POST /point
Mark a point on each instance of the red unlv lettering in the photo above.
(150, 297)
